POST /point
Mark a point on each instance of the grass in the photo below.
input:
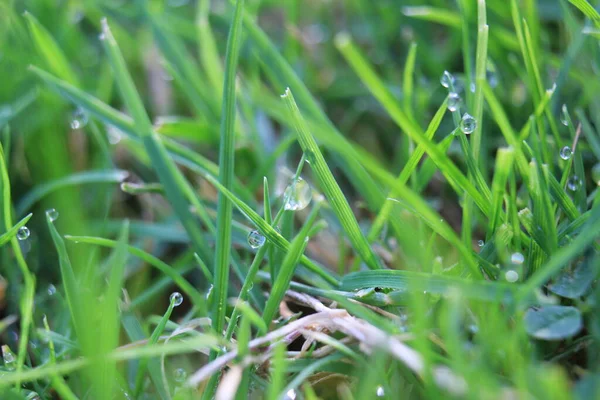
(423, 261)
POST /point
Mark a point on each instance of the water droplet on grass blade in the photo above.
(176, 299)
(511, 276)
(51, 290)
(564, 115)
(180, 375)
(255, 239)
(566, 153)
(467, 124)
(517, 258)
(23, 233)
(480, 243)
(453, 101)
(447, 79)
(9, 358)
(290, 395)
(52, 214)
(492, 78)
(596, 174)
(79, 118)
(574, 183)
(380, 391)
(297, 196)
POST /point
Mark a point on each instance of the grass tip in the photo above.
(286, 93)
(342, 39)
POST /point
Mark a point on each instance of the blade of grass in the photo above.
(361, 67)
(12, 232)
(226, 171)
(288, 267)
(49, 51)
(168, 174)
(153, 364)
(79, 178)
(196, 297)
(27, 298)
(329, 186)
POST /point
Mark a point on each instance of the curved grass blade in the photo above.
(173, 181)
(332, 191)
(49, 51)
(27, 298)
(79, 178)
(195, 296)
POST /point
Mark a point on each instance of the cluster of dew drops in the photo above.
(467, 124)
(297, 196)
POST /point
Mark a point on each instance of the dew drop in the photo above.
(574, 183)
(297, 195)
(492, 78)
(9, 358)
(566, 153)
(480, 243)
(114, 134)
(52, 214)
(23, 233)
(180, 375)
(176, 299)
(255, 239)
(51, 290)
(290, 395)
(467, 124)
(596, 174)
(564, 115)
(472, 87)
(79, 118)
(511, 276)
(380, 392)
(453, 101)
(447, 79)
(517, 258)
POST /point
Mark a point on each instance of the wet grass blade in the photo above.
(196, 297)
(436, 284)
(330, 187)
(288, 266)
(368, 76)
(12, 232)
(226, 171)
(27, 299)
(168, 174)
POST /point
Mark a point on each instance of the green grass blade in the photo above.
(226, 171)
(27, 300)
(49, 51)
(434, 284)
(124, 123)
(288, 267)
(196, 297)
(587, 9)
(330, 187)
(378, 89)
(79, 178)
(555, 263)
(171, 178)
(12, 232)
